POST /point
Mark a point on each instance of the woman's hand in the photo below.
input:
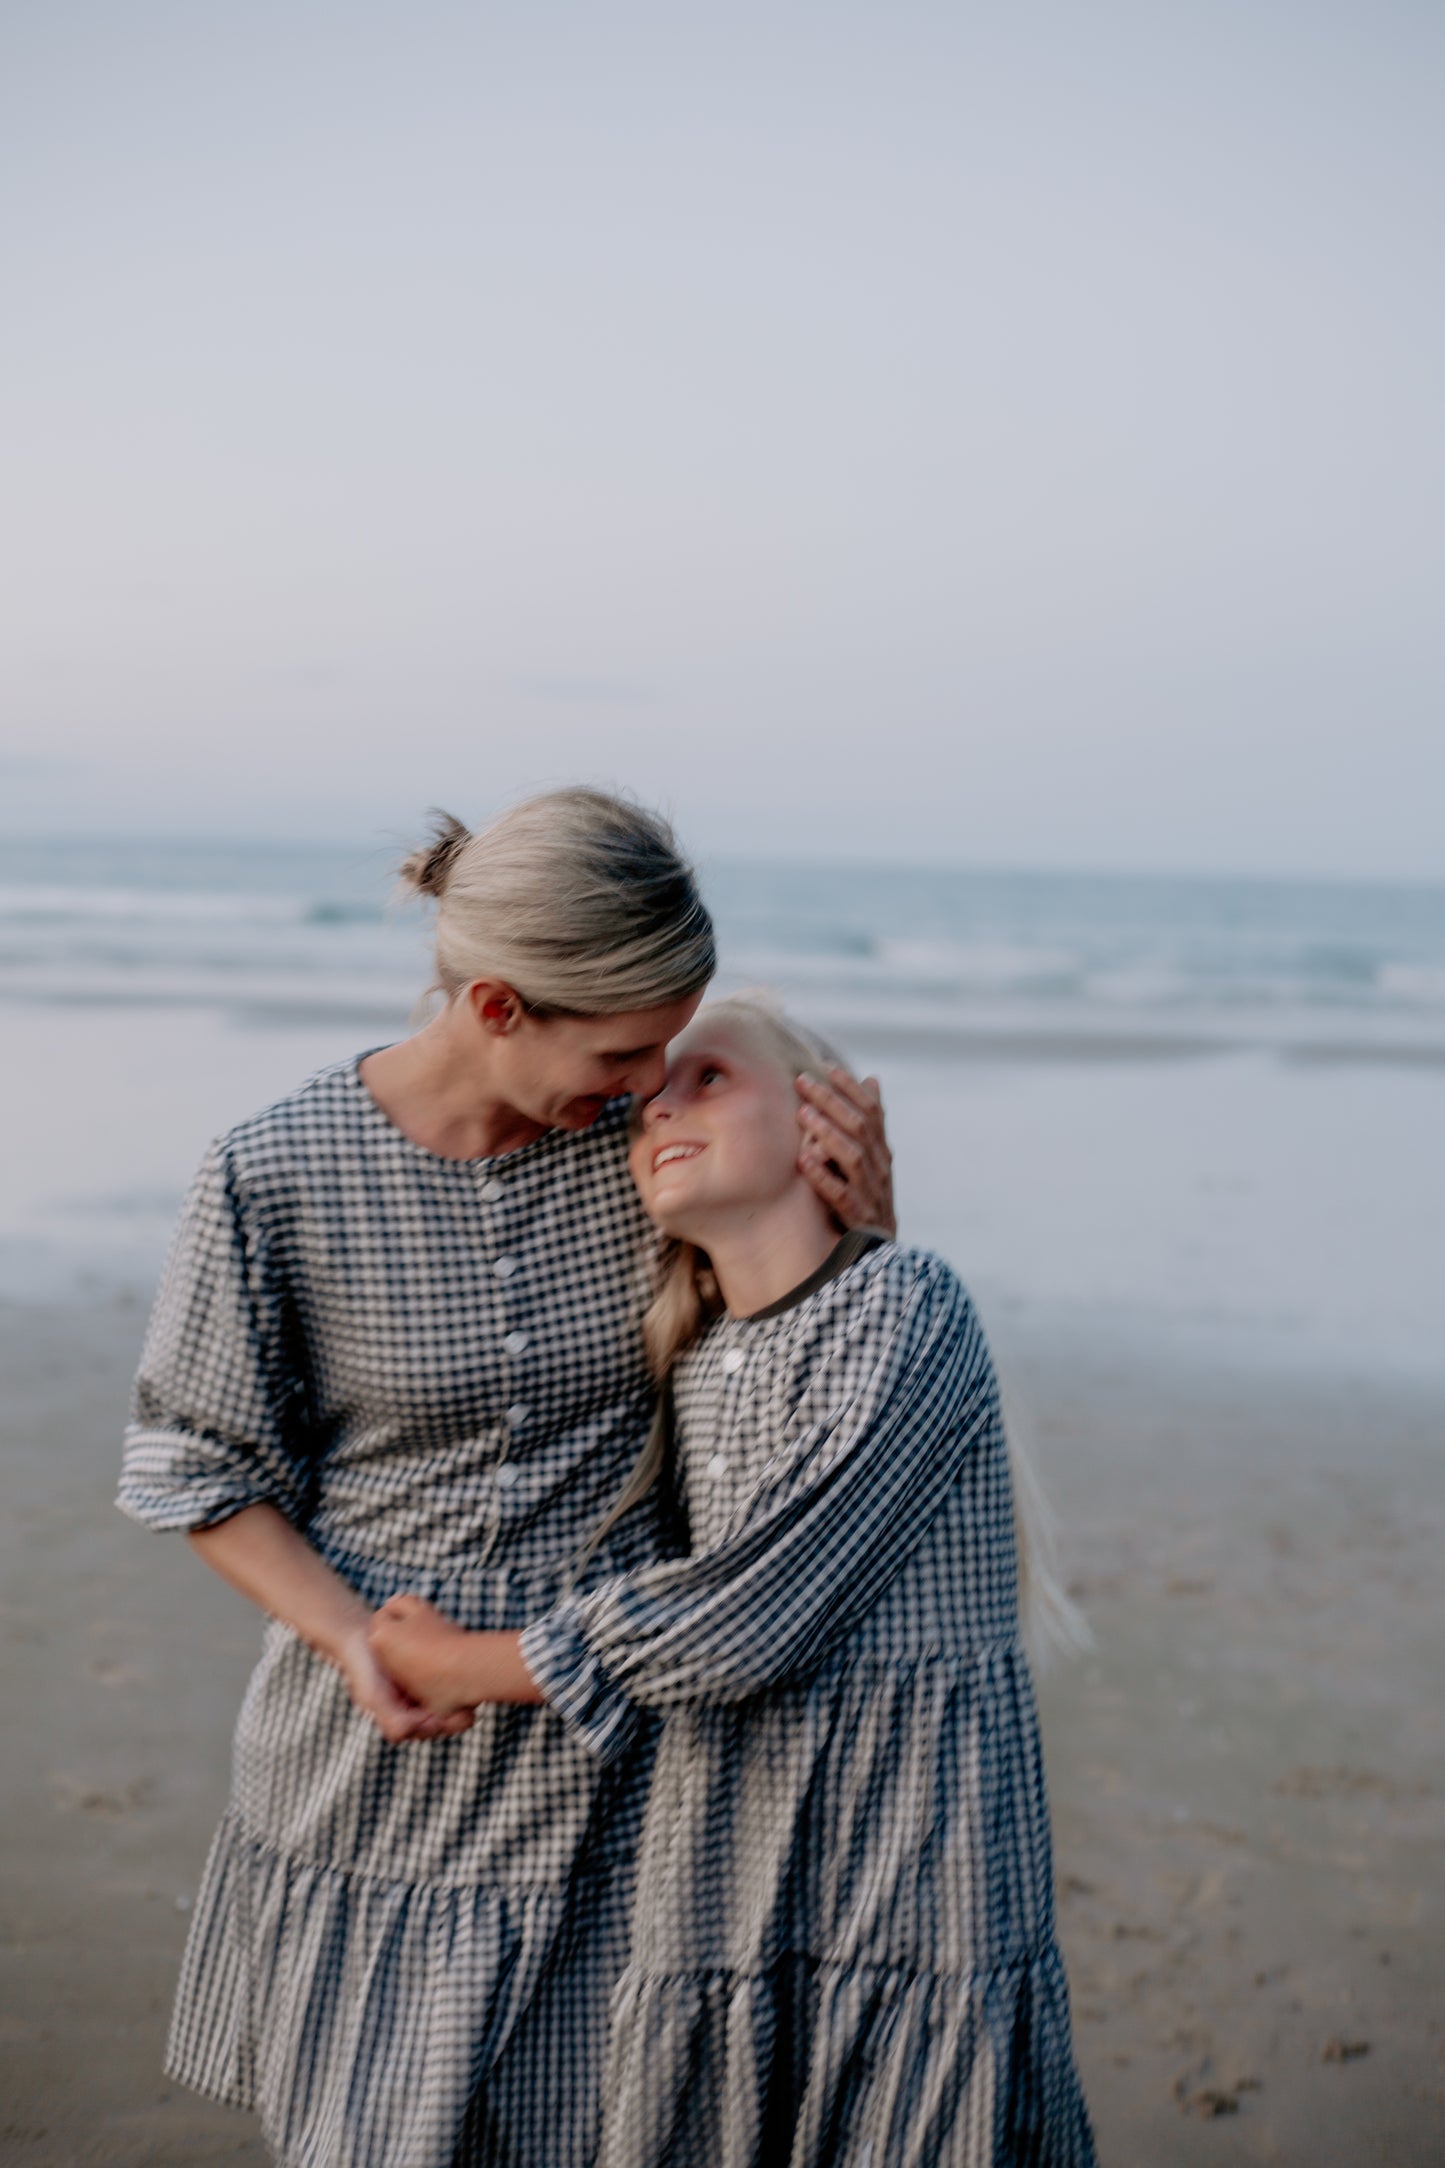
(259, 1552)
(396, 1715)
(844, 1151)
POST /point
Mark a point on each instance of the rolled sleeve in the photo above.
(218, 1414)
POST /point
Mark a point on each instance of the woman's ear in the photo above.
(495, 1006)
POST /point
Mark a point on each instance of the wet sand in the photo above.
(1248, 1772)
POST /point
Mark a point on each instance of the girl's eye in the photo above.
(708, 1074)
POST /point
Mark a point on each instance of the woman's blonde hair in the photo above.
(579, 901)
(686, 1300)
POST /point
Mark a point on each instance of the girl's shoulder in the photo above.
(890, 1316)
(888, 1279)
(864, 1293)
(890, 1306)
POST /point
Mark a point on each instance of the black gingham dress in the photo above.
(843, 1951)
(433, 1367)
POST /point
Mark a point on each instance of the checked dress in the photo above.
(433, 1368)
(843, 1951)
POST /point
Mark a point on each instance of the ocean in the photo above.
(258, 929)
(1204, 1111)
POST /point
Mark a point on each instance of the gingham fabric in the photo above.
(843, 1950)
(433, 1367)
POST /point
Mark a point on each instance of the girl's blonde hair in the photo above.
(686, 1300)
(686, 1295)
(579, 901)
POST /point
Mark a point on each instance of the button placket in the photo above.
(732, 1363)
(514, 1342)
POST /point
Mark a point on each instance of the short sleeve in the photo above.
(218, 1415)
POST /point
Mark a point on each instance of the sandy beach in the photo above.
(1247, 1772)
(1210, 1283)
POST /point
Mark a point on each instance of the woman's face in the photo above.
(721, 1134)
(562, 1070)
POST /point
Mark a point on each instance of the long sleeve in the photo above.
(898, 1396)
(218, 1417)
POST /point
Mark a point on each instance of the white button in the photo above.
(491, 1191)
(516, 1343)
(717, 1466)
(506, 1475)
(734, 1360)
(517, 1414)
(505, 1267)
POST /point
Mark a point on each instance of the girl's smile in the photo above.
(675, 1151)
(727, 1102)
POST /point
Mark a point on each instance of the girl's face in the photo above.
(721, 1137)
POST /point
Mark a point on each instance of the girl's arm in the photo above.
(260, 1554)
(444, 1667)
(905, 1394)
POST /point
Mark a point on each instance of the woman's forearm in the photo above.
(266, 1559)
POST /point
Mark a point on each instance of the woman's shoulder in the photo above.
(325, 1110)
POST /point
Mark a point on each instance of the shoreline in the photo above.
(1247, 1773)
(980, 1034)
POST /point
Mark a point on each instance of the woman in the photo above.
(843, 1948)
(396, 1347)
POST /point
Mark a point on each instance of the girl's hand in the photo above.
(424, 1651)
(844, 1150)
(259, 1552)
(397, 1715)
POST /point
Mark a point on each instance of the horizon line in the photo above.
(1019, 868)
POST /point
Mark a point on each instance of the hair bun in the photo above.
(428, 868)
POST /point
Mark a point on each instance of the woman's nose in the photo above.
(656, 1110)
(649, 1076)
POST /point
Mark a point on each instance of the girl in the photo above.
(843, 1945)
(396, 1347)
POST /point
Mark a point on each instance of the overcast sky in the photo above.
(1005, 435)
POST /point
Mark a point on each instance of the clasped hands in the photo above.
(380, 1692)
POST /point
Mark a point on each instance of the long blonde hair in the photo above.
(685, 1296)
(686, 1300)
(579, 901)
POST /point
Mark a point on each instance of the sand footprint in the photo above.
(73, 1796)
